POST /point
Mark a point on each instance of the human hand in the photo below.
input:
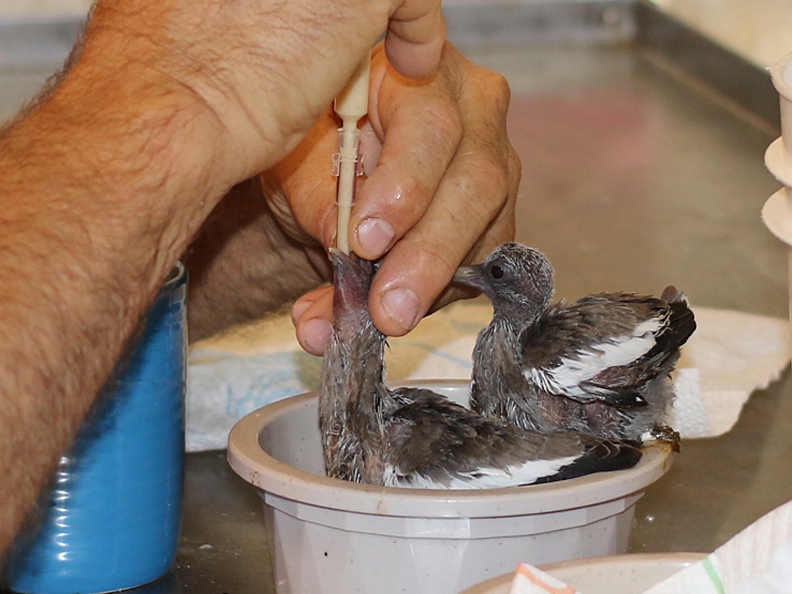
(258, 74)
(442, 181)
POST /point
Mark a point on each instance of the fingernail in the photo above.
(315, 334)
(375, 236)
(401, 305)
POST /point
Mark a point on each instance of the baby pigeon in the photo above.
(413, 437)
(600, 365)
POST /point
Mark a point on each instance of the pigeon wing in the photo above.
(676, 324)
(598, 348)
(435, 443)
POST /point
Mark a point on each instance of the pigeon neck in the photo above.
(513, 317)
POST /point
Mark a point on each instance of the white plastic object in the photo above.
(329, 536)
(351, 105)
(778, 157)
(777, 211)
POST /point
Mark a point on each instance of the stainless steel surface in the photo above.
(636, 175)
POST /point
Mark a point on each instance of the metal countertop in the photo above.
(642, 147)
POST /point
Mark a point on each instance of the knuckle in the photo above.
(513, 171)
(499, 88)
(490, 176)
(494, 90)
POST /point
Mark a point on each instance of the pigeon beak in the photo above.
(470, 276)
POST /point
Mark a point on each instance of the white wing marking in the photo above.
(567, 377)
(482, 478)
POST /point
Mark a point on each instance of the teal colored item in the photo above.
(113, 516)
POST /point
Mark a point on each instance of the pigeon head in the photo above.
(352, 280)
(516, 278)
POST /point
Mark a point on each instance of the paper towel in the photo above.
(761, 554)
(531, 580)
(730, 355)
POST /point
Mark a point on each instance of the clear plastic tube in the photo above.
(348, 144)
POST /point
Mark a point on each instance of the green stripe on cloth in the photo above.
(713, 575)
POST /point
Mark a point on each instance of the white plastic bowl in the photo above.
(329, 536)
(620, 574)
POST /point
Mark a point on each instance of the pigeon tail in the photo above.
(626, 400)
(600, 456)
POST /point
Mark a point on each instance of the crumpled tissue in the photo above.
(758, 559)
(729, 356)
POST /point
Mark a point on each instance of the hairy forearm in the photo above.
(94, 195)
(104, 184)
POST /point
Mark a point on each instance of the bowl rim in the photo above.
(616, 563)
(257, 467)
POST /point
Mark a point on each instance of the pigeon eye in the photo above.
(497, 272)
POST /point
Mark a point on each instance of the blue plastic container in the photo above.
(113, 517)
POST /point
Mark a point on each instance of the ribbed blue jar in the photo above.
(113, 516)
